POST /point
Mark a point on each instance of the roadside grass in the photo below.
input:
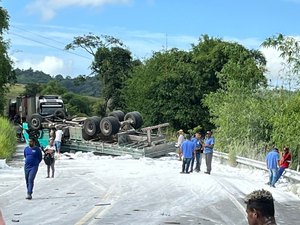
(15, 90)
(247, 150)
(7, 139)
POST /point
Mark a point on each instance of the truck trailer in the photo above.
(115, 134)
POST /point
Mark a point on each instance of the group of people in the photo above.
(33, 157)
(192, 147)
(276, 164)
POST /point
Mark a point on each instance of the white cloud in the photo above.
(49, 64)
(48, 8)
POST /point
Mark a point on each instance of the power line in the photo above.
(48, 45)
(37, 34)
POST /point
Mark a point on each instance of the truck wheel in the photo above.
(136, 119)
(60, 113)
(35, 121)
(91, 126)
(118, 114)
(66, 133)
(85, 136)
(109, 125)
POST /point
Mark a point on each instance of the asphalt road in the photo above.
(107, 191)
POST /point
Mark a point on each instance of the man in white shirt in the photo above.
(58, 136)
(179, 143)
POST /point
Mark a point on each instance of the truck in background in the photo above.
(22, 108)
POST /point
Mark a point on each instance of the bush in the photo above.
(7, 139)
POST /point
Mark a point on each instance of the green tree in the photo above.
(171, 85)
(53, 87)
(77, 105)
(32, 89)
(111, 64)
(7, 76)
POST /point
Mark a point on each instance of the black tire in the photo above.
(118, 114)
(91, 126)
(35, 122)
(85, 136)
(136, 119)
(97, 120)
(60, 113)
(66, 132)
(109, 126)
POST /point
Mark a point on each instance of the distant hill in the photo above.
(90, 86)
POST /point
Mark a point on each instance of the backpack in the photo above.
(48, 159)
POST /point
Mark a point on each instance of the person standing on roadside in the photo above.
(208, 150)
(260, 208)
(180, 140)
(285, 161)
(58, 137)
(49, 157)
(33, 157)
(272, 160)
(197, 140)
(188, 150)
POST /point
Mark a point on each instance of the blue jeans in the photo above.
(30, 174)
(192, 163)
(272, 176)
(198, 161)
(186, 164)
(280, 172)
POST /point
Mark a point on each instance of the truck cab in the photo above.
(49, 104)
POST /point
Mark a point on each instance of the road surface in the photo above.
(90, 190)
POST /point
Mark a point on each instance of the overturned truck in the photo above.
(116, 134)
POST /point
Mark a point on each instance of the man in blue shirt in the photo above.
(33, 157)
(208, 150)
(272, 160)
(188, 150)
(197, 140)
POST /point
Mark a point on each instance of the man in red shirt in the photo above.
(285, 160)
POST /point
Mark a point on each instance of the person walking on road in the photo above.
(260, 208)
(208, 150)
(33, 157)
(285, 161)
(272, 160)
(49, 157)
(58, 137)
(188, 150)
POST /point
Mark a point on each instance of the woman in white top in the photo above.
(49, 157)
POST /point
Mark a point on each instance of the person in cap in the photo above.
(180, 140)
(209, 143)
(260, 208)
(188, 151)
(198, 141)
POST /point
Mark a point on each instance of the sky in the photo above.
(40, 29)
(138, 191)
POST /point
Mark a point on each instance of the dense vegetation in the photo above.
(82, 85)
(8, 140)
